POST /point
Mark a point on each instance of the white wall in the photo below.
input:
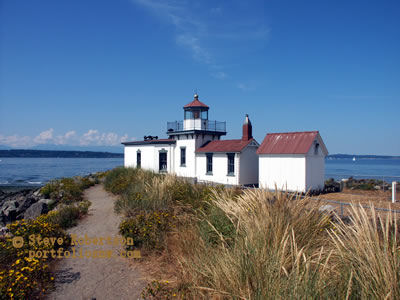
(315, 169)
(189, 169)
(192, 143)
(198, 124)
(286, 171)
(249, 166)
(220, 169)
(149, 156)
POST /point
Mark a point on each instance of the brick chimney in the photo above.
(247, 129)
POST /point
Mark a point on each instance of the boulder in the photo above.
(24, 204)
(4, 231)
(37, 193)
(9, 211)
(48, 202)
(36, 210)
(327, 209)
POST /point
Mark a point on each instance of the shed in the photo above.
(293, 161)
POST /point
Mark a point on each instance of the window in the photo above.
(138, 159)
(231, 163)
(183, 156)
(162, 160)
(188, 115)
(209, 163)
(316, 149)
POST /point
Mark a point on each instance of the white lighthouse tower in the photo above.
(190, 134)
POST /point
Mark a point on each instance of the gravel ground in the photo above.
(98, 278)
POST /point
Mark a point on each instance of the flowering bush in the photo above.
(22, 276)
(162, 290)
(147, 229)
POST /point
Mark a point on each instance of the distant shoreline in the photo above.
(57, 154)
(351, 156)
(99, 154)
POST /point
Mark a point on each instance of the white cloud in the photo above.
(16, 141)
(68, 137)
(90, 138)
(245, 86)
(219, 75)
(192, 43)
(44, 137)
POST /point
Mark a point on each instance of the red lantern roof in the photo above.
(196, 103)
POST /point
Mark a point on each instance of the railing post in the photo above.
(394, 190)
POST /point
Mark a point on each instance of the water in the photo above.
(383, 169)
(37, 171)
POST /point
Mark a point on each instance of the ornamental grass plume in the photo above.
(367, 251)
(277, 250)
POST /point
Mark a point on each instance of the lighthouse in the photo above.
(191, 133)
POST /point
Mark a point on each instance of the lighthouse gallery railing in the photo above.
(206, 125)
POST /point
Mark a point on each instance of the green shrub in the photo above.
(67, 216)
(148, 229)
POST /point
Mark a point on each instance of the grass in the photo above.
(255, 244)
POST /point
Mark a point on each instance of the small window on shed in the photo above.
(138, 159)
(316, 149)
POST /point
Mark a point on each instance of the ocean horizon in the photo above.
(31, 172)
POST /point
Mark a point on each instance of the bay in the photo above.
(38, 171)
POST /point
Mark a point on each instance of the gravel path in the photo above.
(98, 278)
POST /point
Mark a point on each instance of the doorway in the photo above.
(162, 161)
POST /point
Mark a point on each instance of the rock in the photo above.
(9, 212)
(327, 209)
(37, 193)
(24, 204)
(36, 210)
(48, 202)
(4, 231)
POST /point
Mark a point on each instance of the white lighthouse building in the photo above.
(194, 149)
(292, 161)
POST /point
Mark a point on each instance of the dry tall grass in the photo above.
(368, 251)
(261, 245)
(284, 247)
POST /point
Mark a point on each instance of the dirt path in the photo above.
(99, 278)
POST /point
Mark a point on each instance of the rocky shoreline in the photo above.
(22, 204)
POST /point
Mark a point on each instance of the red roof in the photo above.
(224, 146)
(287, 143)
(196, 103)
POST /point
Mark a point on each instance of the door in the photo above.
(163, 162)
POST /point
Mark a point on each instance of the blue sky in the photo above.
(95, 73)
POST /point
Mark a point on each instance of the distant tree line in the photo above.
(350, 156)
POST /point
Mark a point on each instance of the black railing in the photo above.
(205, 125)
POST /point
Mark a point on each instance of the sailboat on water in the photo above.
(354, 158)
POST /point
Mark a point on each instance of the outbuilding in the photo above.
(293, 161)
